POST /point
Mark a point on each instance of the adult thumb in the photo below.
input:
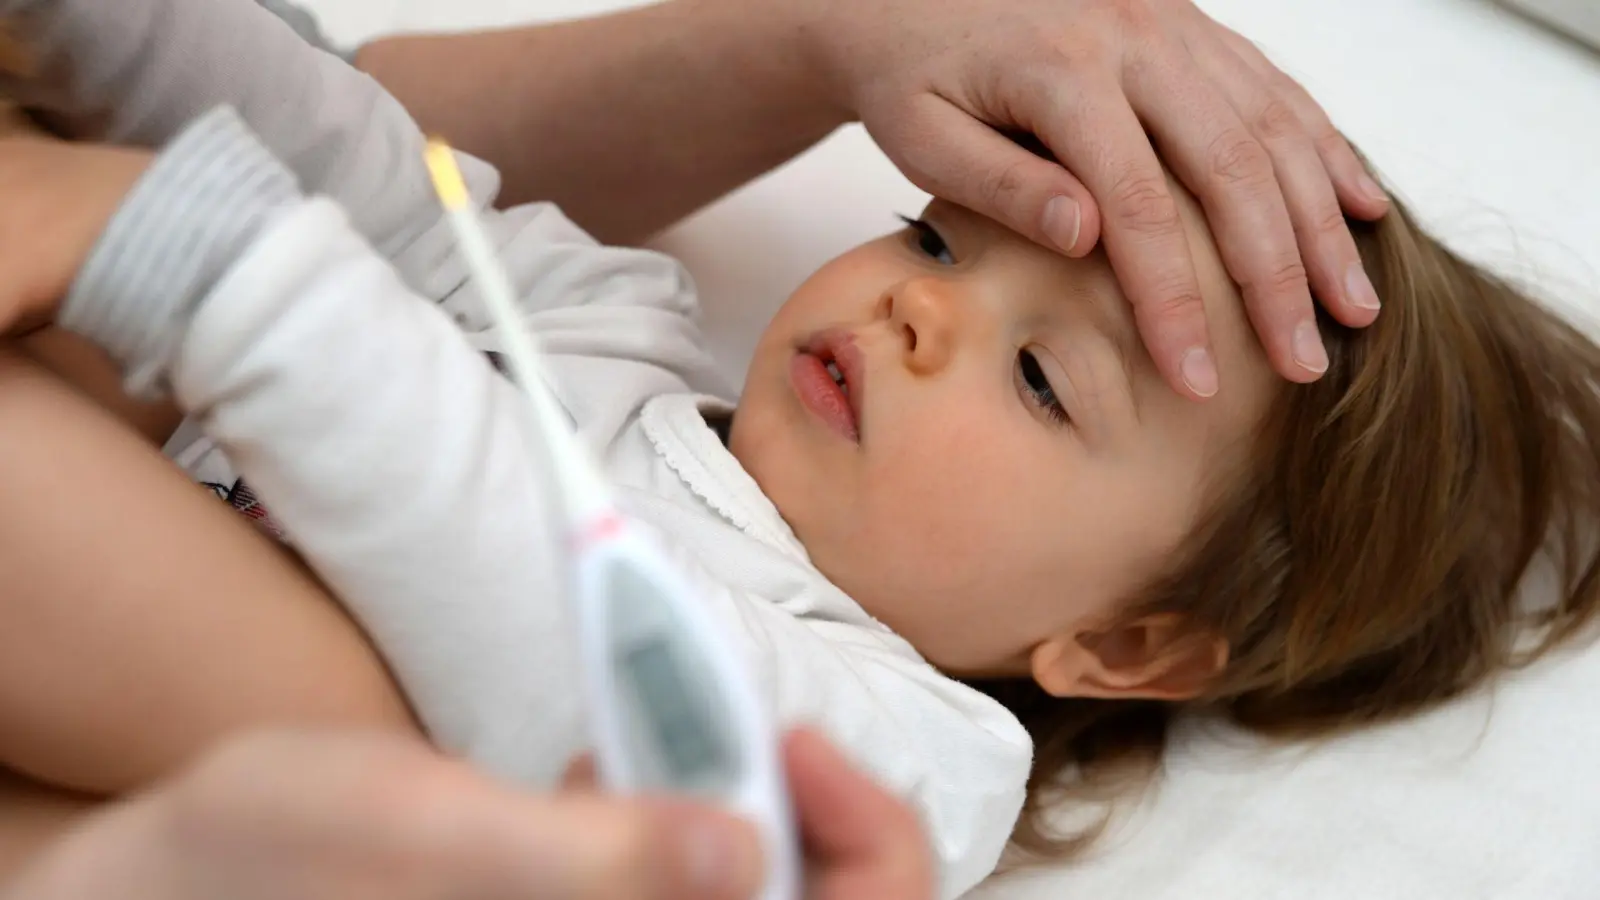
(578, 846)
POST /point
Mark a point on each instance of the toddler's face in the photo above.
(1003, 464)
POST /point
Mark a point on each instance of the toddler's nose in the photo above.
(922, 311)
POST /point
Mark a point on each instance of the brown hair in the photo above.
(15, 57)
(1368, 564)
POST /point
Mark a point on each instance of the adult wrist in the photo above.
(823, 33)
(789, 44)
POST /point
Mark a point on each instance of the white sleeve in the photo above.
(387, 447)
(142, 75)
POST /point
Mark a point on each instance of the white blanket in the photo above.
(1495, 797)
(1490, 127)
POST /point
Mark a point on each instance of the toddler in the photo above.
(956, 517)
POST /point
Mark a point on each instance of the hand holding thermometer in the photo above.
(672, 706)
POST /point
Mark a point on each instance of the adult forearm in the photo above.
(629, 121)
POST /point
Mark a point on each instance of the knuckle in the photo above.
(1059, 49)
(1328, 220)
(1143, 203)
(1280, 279)
(1276, 120)
(1285, 86)
(1002, 187)
(1237, 158)
(1173, 301)
(1330, 143)
(1133, 17)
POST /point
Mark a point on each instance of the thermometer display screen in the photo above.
(683, 729)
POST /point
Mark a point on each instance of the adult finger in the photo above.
(1095, 133)
(1333, 266)
(1359, 192)
(353, 809)
(951, 155)
(861, 843)
(1216, 155)
(575, 846)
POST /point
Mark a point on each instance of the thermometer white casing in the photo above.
(672, 706)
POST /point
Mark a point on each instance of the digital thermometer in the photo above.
(672, 706)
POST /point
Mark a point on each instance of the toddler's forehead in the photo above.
(1242, 365)
(1223, 300)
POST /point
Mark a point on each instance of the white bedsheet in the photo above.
(1490, 127)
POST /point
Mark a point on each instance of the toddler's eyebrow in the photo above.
(1115, 324)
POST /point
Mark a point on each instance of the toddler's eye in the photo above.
(927, 241)
(1031, 378)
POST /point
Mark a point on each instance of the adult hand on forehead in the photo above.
(1102, 83)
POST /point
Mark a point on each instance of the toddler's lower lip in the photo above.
(820, 394)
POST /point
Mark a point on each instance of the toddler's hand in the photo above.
(58, 199)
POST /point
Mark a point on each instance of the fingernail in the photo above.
(1358, 288)
(1308, 349)
(1371, 188)
(722, 857)
(1063, 218)
(1199, 372)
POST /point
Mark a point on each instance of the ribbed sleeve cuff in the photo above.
(186, 221)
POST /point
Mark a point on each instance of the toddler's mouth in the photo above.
(828, 377)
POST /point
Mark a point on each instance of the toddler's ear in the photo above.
(1153, 658)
